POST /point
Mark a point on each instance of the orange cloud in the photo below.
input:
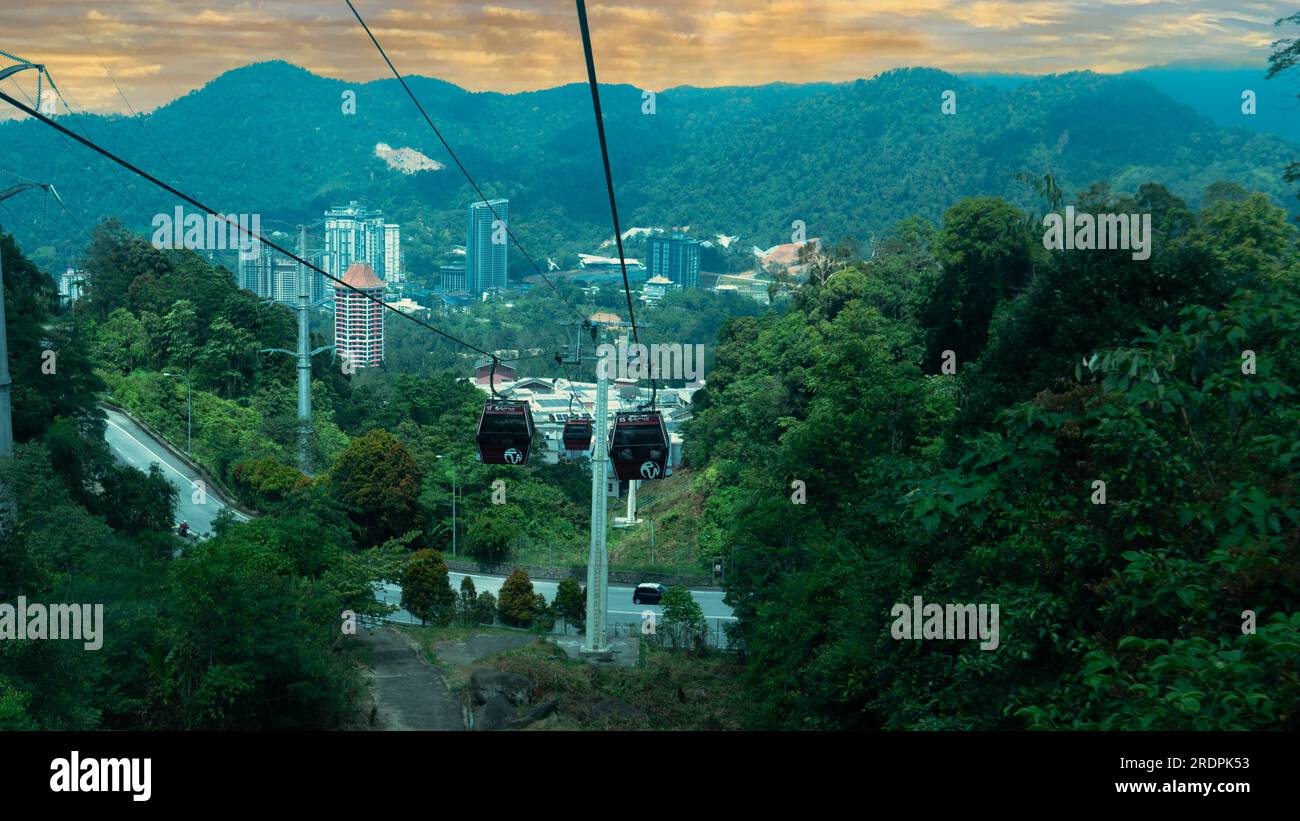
(158, 49)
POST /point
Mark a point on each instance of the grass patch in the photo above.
(673, 691)
(428, 637)
(675, 509)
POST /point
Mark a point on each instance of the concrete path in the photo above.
(409, 693)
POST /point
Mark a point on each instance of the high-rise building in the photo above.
(452, 278)
(354, 233)
(485, 246)
(271, 275)
(359, 321)
(284, 280)
(71, 285)
(676, 257)
(393, 253)
(254, 272)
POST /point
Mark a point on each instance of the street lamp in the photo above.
(453, 505)
(189, 413)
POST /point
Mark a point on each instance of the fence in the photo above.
(714, 633)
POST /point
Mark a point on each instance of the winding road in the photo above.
(135, 446)
(132, 445)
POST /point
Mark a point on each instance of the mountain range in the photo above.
(846, 158)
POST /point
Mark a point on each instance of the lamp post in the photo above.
(453, 506)
(189, 414)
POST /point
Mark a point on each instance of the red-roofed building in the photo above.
(358, 320)
(505, 373)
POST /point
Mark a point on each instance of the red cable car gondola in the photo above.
(577, 434)
(639, 445)
(505, 432)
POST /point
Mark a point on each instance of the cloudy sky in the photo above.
(159, 49)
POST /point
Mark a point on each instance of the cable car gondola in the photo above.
(577, 434)
(639, 445)
(505, 432)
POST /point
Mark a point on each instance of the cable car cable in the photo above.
(50, 189)
(609, 177)
(76, 116)
(135, 114)
(172, 190)
(456, 159)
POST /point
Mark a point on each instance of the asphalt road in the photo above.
(133, 446)
(621, 608)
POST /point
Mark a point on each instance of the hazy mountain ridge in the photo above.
(848, 158)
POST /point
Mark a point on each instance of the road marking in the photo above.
(395, 589)
(555, 582)
(160, 461)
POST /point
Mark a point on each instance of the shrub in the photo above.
(465, 605)
(426, 591)
(571, 604)
(683, 617)
(485, 609)
(518, 604)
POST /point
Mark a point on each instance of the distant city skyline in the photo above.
(353, 233)
(160, 51)
(486, 249)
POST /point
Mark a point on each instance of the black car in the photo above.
(648, 593)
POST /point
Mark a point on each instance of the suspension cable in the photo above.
(456, 159)
(254, 235)
(609, 178)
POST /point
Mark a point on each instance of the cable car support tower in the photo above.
(303, 355)
(596, 643)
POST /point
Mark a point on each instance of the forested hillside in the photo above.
(1172, 380)
(847, 159)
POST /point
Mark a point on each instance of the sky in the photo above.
(157, 50)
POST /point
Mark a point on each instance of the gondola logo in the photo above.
(513, 456)
(649, 470)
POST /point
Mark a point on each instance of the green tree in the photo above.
(485, 608)
(122, 342)
(267, 481)
(570, 604)
(180, 333)
(249, 643)
(468, 599)
(491, 532)
(985, 253)
(683, 619)
(426, 591)
(517, 605)
(226, 360)
(378, 483)
(133, 501)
